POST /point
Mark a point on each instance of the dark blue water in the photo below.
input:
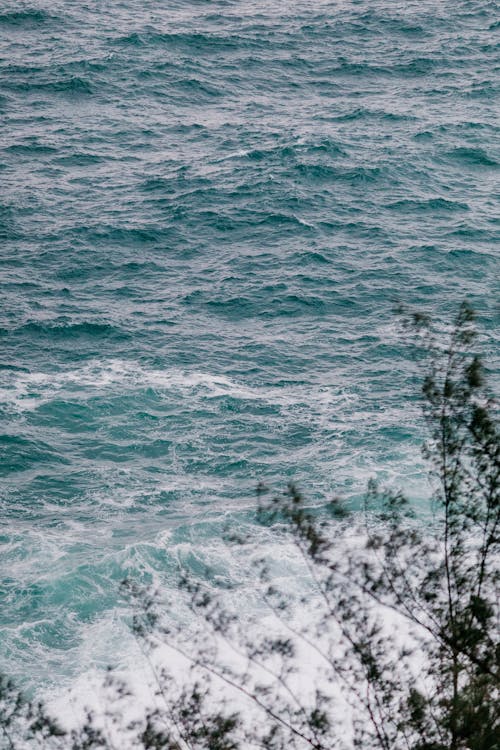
(208, 212)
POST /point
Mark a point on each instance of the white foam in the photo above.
(28, 391)
(139, 670)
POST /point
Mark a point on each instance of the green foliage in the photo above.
(400, 650)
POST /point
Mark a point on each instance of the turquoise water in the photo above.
(208, 213)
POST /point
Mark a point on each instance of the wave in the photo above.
(194, 42)
(26, 18)
(475, 156)
(80, 159)
(32, 148)
(59, 330)
(363, 113)
(353, 175)
(428, 204)
(70, 86)
(20, 454)
(123, 235)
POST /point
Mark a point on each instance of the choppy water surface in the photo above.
(207, 213)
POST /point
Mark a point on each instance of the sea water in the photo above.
(208, 214)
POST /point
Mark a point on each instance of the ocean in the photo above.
(209, 212)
